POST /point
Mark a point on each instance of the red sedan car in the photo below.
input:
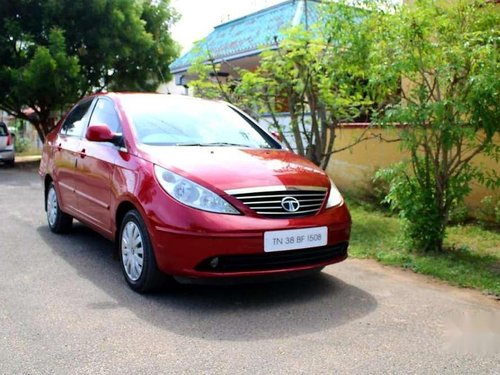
(190, 188)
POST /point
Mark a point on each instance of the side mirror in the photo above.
(100, 133)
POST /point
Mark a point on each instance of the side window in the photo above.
(76, 121)
(3, 129)
(104, 113)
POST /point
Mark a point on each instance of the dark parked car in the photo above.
(190, 188)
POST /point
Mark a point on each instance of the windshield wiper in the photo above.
(188, 144)
(226, 144)
(212, 144)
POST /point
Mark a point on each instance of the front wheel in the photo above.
(59, 222)
(136, 254)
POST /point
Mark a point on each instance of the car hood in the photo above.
(228, 168)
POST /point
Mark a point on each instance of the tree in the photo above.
(447, 58)
(56, 51)
(316, 73)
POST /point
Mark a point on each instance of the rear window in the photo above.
(3, 130)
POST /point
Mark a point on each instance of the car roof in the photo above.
(173, 97)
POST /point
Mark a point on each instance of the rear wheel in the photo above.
(136, 254)
(59, 222)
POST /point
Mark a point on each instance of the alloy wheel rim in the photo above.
(52, 207)
(132, 251)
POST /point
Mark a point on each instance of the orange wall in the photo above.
(353, 169)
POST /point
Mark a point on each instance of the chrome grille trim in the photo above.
(290, 214)
(266, 189)
(266, 201)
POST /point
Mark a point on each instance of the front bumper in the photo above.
(240, 252)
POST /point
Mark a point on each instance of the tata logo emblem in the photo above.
(290, 204)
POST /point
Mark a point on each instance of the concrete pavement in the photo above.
(65, 308)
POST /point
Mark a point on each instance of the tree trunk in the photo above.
(43, 128)
(294, 123)
(40, 130)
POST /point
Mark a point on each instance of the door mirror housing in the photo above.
(102, 133)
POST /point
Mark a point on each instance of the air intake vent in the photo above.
(278, 260)
(283, 203)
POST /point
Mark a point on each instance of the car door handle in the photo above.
(82, 153)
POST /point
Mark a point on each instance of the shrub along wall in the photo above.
(353, 169)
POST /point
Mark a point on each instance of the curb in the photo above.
(28, 159)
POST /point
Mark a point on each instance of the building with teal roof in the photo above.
(238, 43)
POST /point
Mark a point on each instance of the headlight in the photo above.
(334, 199)
(192, 194)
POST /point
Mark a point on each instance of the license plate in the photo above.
(293, 239)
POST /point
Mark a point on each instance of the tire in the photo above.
(59, 222)
(137, 257)
(10, 163)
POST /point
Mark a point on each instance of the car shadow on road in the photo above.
(239, 312)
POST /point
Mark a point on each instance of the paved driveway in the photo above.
(65, 309)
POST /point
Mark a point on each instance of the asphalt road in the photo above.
(65, 309)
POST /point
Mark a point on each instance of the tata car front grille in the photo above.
(282, 202)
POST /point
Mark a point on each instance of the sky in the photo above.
(198, 17)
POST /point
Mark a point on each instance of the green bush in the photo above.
(489, 211)
(459, 214)
(22, 144)
(378, 190)
(424, 221)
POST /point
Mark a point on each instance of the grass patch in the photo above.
(472, 259)
(29, 152)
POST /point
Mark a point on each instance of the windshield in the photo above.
(166, 120)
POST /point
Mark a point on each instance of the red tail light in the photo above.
(9, 139)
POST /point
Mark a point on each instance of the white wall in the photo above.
(172, 88)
